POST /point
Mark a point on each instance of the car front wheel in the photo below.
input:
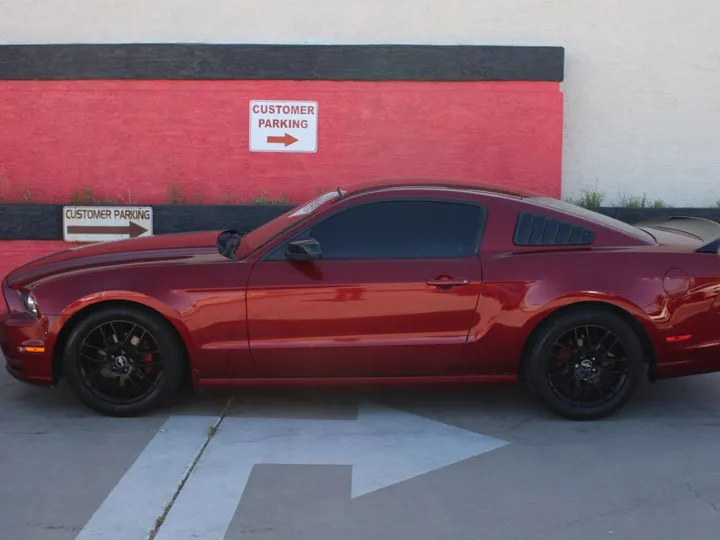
(585, 364)
(122, 361)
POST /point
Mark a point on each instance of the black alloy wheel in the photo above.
(585, 364)
(123, 361)
(120, 361)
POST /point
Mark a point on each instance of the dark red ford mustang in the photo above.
(395, 282)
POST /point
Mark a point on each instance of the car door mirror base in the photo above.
(303, 250)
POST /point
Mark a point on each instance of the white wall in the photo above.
(642, 84)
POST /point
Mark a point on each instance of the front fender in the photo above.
(79, 306)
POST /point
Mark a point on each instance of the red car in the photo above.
(398, 282)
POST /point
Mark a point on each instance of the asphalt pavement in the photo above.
(397, 463)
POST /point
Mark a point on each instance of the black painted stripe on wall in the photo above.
(44, 221)
(281, 62)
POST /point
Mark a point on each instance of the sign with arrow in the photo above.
(194, 471)
(105, 223)
(283, 126)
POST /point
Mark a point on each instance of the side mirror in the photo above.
(303, 250)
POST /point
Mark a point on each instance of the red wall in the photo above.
(130, 140)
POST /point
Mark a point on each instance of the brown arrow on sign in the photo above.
(286, 139)
(133, 229)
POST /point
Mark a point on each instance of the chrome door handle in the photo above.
(450, 282)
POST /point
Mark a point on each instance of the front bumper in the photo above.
(27, 347)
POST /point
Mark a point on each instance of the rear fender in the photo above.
(589, 299)
(638, 318)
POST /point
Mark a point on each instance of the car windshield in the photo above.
(597, 217)
(266, 232)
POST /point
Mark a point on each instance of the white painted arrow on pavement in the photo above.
(384, 446)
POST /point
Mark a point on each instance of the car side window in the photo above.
(538, 230)
(400, 229)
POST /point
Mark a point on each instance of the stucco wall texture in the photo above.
(641, 100)
(135, 141)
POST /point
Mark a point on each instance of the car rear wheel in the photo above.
(123, 361)
(585, 364)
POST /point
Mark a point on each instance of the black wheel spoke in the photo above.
(608, 333)
(562, 346)
(611, 347)
(573, 388)
(133, 381)
(596, 387)
(143, 365)
(604, 381)
(114, 334)
(139, 377)
(92, 378)
(105, 341)
(561, 375)
(129, 335)
(102, 361)
(615, 360)
(563, 360)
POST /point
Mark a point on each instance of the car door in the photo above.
(394, 293)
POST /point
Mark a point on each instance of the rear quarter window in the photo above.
(533, 229)
(595, 217)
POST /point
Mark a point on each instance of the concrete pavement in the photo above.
(650, 472)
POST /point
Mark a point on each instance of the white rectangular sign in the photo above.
(105, 223)
(283, 126)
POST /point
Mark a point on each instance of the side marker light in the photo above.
(674, 339)
(32, 349)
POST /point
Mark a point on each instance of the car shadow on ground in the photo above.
(498, 404)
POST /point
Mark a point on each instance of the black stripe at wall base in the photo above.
(282, 62)
(44, 221)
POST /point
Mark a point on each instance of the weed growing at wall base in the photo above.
(590, 198)
(85, 195)
(175, 195)
(633, 201)
(7, 187)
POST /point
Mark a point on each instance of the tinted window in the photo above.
(597, 217)
(539, 230)
(400, 230)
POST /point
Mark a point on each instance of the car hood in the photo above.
(141, 249)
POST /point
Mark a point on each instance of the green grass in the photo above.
(590, 198)
(633, 201)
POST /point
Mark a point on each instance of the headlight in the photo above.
(29, 302)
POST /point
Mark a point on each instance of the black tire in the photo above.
(86, 368)
(557, 374)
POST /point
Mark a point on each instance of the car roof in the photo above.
(463, 184)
